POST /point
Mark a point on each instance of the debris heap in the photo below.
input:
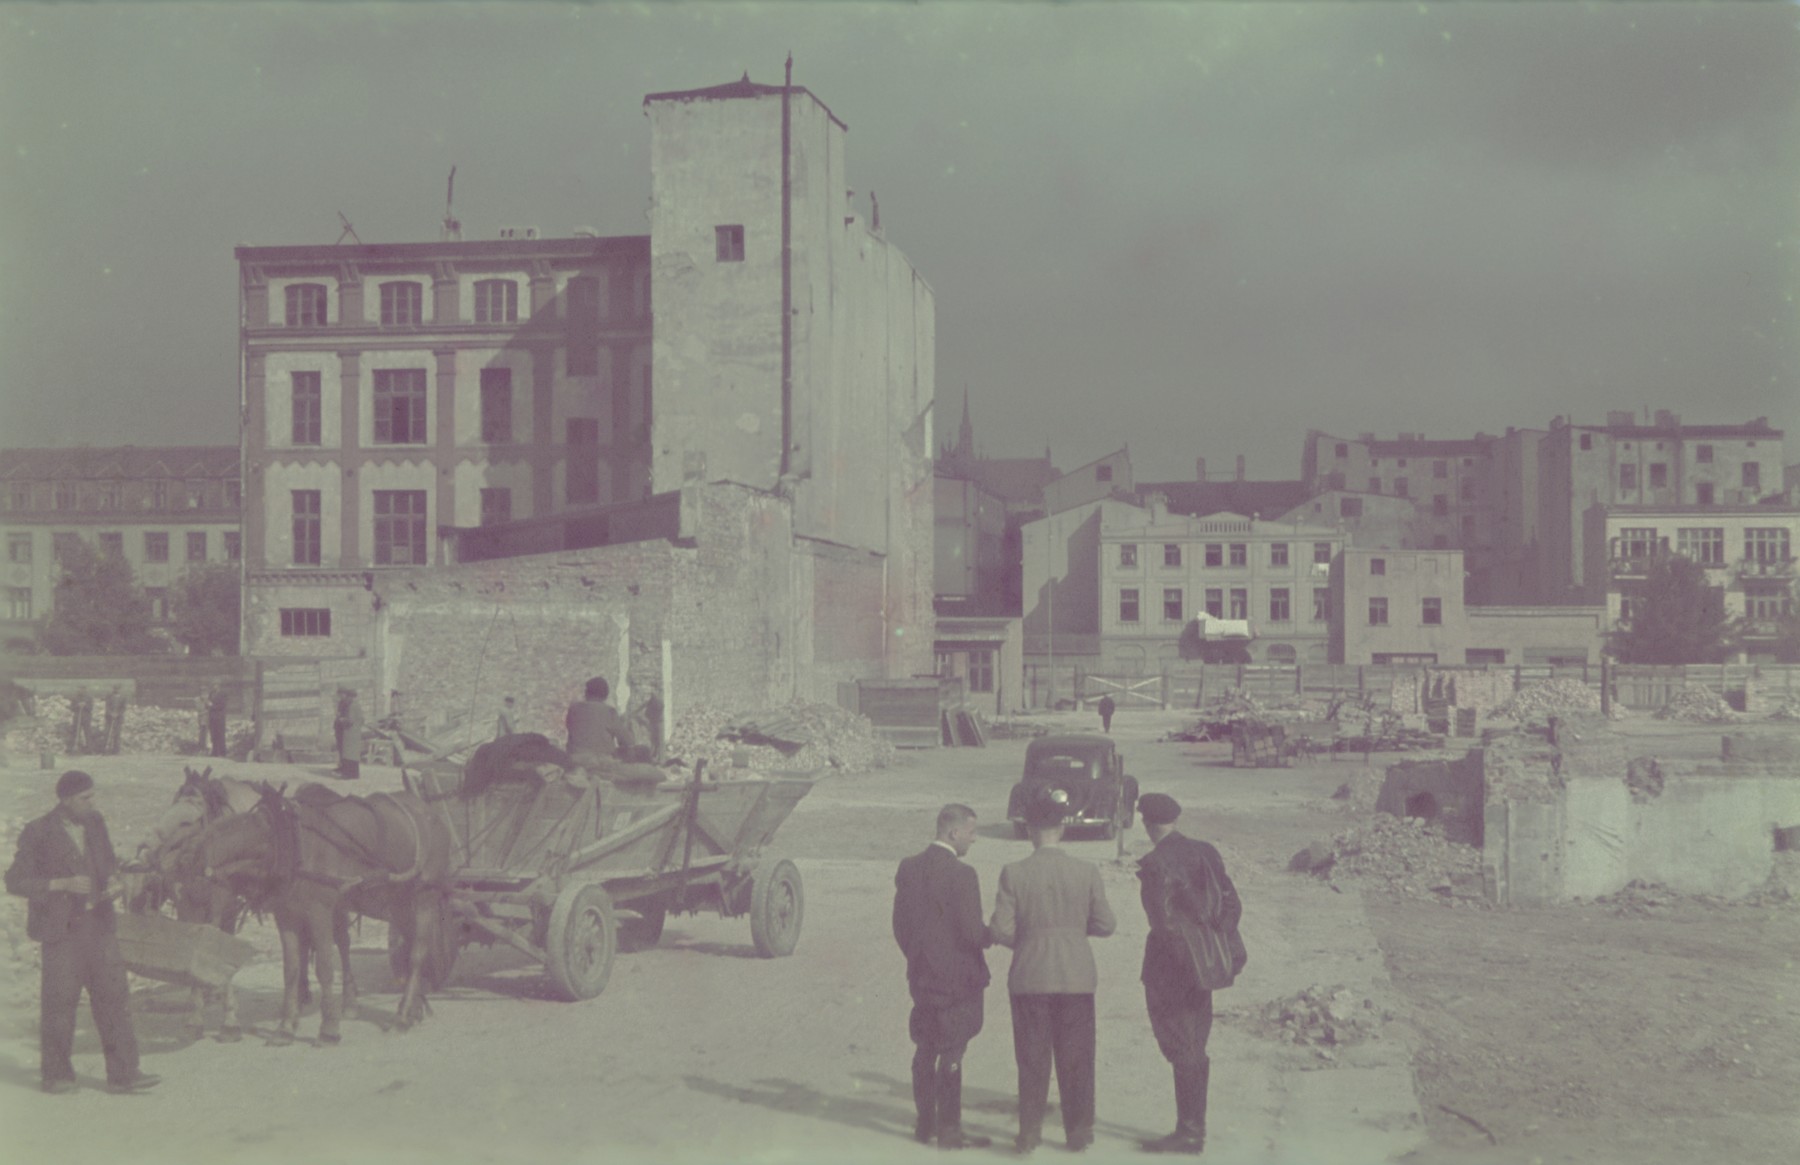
(1407, 856)
(797, 736)
(1788, 711)
(1536, 703)
(147, 729)
(19, 956)
(1322, 1018)
(1696, 705)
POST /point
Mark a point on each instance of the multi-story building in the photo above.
(1747, 551)
(1160, 573)
(163, 509)
(1448, 482)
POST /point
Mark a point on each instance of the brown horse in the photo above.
(310, 861)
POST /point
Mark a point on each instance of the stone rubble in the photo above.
(836, 739)
(1322, 1018)
(1405, 856)
(1536, 703)
(147, 729)
(1787, 711)
(1696, 705)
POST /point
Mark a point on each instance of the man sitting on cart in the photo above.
(598, 735)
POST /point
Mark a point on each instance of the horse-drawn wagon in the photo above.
(548, 856)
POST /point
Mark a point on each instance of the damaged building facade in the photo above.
(698, 459)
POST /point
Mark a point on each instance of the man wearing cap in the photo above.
(1048, 906)
(63, 868)
(937, 922)
(1192, 950)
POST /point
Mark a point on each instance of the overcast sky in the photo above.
(1197, 229)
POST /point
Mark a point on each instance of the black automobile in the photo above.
(1086, 774)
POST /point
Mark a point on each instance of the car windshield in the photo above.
(1051, 767)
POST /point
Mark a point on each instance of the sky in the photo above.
(1194, 229)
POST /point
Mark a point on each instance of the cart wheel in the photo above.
(644, 931)
(583, 934)
(776, 907)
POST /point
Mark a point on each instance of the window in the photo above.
(112, 543)
(1378, 612)
(496, 301)
(156, 546)
(1703, 493)
(110, 495)
(1637, 542)
(401, 304)
(306, 526)
(1280, 605)
(1752, 475)
(1171, 604)
(1128, 554)
(1321, 604)
(496, 405)
(195, 494)
(159, 495)
(1377, 566)
(1476, 656)
(1103, 473)
(196, 546)
(1703, 454)
(18, 604)
(1322, 553)
(1240, 554)
(234, 546)
(18, 548)
(1400, 487)
(1215, 554)
(399, 527)
(61, 544)
(1440, 469)
(1278, 554)
(729, 241)
(1659, 475)
(1374, 485)
(21, 496)
(1703, 544)
(1401, 463)
(1763, 607)
(1128, 605)
(1343, 450)
(399, 406)
(1440, 505)
(308, 621)
(1171, 554)
(308, 408)
(1398, 658)
(1431, 611)
(159, 603)
(65, 495)
(1240, 603)
(1587, 440)
(306, 305)
(1215, 602)
(1628, 476)
(981, 671)
(1624, 608)
(496, 506)
(1768, 544)
(1350, 507)
(581, 485)
(584, 326)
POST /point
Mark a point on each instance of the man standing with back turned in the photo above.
(937, 922)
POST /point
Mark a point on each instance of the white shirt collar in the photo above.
(948, 846)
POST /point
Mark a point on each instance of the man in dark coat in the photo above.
(63, 868)
(1188, 899)
(215, 718)
(598, 735)
(937, 922)
(1106, 708)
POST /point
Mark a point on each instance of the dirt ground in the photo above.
(1646, 1030)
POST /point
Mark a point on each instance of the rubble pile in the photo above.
(1407, 856)
(1696, 705)
(1536, 703)
(1788, 711)
(147, 729)
(19, 956)
(797, 736)
(1322, 1018)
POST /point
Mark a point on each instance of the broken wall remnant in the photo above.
(1644, 778)
(1447, 792)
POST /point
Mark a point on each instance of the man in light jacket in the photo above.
(1048, 905)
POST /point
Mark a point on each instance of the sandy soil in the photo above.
(1591, 1033)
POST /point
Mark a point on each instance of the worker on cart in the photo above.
(598, 735)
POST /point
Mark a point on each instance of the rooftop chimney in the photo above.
(1159, 507)
(1240, 467)
(1666, 419)
(1199, 469)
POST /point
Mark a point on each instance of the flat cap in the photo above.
(1158, 808)
(72, 783)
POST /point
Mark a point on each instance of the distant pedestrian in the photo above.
(115, 719)
(64, 869)
(937, 922)
(347, 726)
(1048, 906)
(504, 724)
(215, 718)
(1193, 949)
(1106, 708)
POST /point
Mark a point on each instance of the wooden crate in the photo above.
(157, 947)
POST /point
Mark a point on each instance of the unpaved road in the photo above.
(699, 1051)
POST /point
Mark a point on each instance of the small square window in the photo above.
(156, 547)
(730, 243)
(1322, 552)
(1215, 554)
(1172, 604)
(1703, 454)
(1659, 475)
(1240, 554)
(1103, 472)
(1128, 605)
(1431, 612)
(1128, 554)
(1278, 554)
(1378, 613)
(1343, 450)
(1377, 566)
(1587, 440)
(1171, 554)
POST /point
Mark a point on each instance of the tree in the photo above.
(99, 608)
(1677, 617)
(204, 609)
(1787, 640)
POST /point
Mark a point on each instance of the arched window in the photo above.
(1282, 653)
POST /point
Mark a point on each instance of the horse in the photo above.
(310, 861)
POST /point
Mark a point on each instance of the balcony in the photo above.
(1638, 567)
(1765, 568)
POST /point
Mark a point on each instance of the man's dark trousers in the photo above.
(87, 956)
(1055, 1029)
(1182, 1019)
(942, 1035)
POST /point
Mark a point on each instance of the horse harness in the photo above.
(289, 824)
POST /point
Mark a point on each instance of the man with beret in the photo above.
(1192, 950)
(937, 922)
(1048, 906)
(64, 868)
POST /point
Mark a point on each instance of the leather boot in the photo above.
(924, 1081)
(1190, 1112)
(949, 1110)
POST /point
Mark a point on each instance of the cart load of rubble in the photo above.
(1696, 705)
(796, 736)
(147, 730)
(1322, 1018)
(1536, 703)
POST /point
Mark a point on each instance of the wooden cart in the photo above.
(546, 863)
(1258, 745)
